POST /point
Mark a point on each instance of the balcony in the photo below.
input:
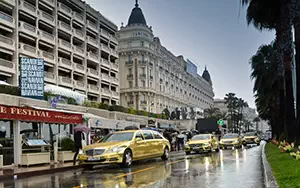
(65, 27)
(143, 76)
(93, 57)
(105, 77)
(128, 63)
(151, 77)
(92, 26)
(79, 85)
(93, 89)
(49, 19)
(79, 34)
(7, 20)
(64, 9)
(115, 66)
(50, 77)
(130, 103)
(130, 77)
(115, 94)
(142, 63)
(104, 34)
(115, 80)
(114, 53)
(105, 48)
(10, 2)
(78, 50)
(28, 29)
(7, 43)
(105, 63)
(79, 68)
(64, 45)
(65, 81)
(106, 92)
(27, 8)
(47, 37)
(144, 102)
(78, 17)
(28, 50)
(49, 2)
(47, 56)
(7, 66)
(93, 73)
(114, 39)
(65, 63)
(92, 41)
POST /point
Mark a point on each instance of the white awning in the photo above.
(80, 98)
(4, 83)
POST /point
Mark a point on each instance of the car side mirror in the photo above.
(138, 139)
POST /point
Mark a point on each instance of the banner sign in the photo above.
(30, 114)
(32, 77)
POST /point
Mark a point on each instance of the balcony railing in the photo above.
(78, 32)
(29, 48)
(142, 63)
(115, 94)
(5, 63)
(130, 76)
(50, 2)
(143, 75)
(47, 17)
(79, 84)
(105, 62)
(66, 79)
(105, 76)
(93, 87)
(92, 40)
(143, 102)
(115, 80)
(79, 66)
(106, 91)
(64, 26)
(49, 75)
(91, 24)
(128, 63)
(79, 50)
(130, 102)
(93, 56)
(64, 8)
(104, 33)
(47, 35)
(64, 43)
(105, 48)
(27, 27)
(93, 71)
(65, 62)
(27, 7)
(78, 16)
(6, 17)
(115, 66)
(48, 55)
(6, 40)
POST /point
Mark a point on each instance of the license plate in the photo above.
(93, 158)
(196, 148)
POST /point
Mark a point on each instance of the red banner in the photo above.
(30, 114)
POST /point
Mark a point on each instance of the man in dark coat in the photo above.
(78, 137)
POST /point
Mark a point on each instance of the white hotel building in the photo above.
(152, 78)
(77, 43)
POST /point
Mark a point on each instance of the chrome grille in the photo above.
(92, 152)
(227, 142)
(196, 145)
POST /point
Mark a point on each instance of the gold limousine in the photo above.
(202, 142)
(124, 147)
(251, 138)
(231, 140)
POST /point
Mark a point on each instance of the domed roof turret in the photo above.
(206, 75)
(136, 16)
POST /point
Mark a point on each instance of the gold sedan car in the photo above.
(202, 142)
(231, 140)
(251, 138)
(123, 147)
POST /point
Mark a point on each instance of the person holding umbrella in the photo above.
(79, 137)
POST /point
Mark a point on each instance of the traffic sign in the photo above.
(220, 122)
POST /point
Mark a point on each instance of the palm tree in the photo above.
(264, 74)
(231, 101)
(241, 104)
(256, 120)
(211, 112)
(278, 15)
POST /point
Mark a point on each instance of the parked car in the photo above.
(231, 140)
(251, 138)
(124, 147)
(202, 142)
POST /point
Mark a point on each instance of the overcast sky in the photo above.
(208, 32)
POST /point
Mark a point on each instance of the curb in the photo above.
(269, 179)
(177, 154)
(37, 172)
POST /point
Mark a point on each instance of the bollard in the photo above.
(1, 161)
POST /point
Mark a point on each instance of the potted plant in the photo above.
(67, 150)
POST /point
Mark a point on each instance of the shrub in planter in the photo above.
(132, 111)
(11, 90)
(104, 106)
(118, 108)
(67, 144)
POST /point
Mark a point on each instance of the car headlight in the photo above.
(236, 141)
(221, 142)
(81, 152)
(116, 149)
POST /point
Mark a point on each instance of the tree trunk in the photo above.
(297, 45)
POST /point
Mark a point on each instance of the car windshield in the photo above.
(201, 137)
(250, 134)
(230, 136)
(118, 137)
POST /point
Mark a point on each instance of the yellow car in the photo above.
(251, 138)
(231, 140)
(123, 147)
(202, 142)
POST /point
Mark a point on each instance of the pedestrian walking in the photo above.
(78, 137)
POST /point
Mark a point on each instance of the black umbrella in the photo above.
(131, 127)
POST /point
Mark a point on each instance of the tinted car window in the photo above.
(156, 135)
(147, 135)
(139, 135)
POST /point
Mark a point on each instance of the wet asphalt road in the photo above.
(228, 168)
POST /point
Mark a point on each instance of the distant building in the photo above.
(151, 77)
(221, 104)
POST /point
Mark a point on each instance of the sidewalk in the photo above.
(21, 172)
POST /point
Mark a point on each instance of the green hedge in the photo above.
(11, 90)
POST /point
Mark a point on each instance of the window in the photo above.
(150, 71)
(130, 70)
(143, 57)
(150, 84)
(142, 43)
(144, 83)
(157, 135)
(139, 135)
(129, 58)
(148, 135)
(130, 83)
(143, 70)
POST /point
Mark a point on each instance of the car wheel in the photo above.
(127, 158)
(258, 144)
(88, 167)
(166, 154)
(187, 152)
(218, 149)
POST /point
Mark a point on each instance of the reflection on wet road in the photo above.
(228, 168)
